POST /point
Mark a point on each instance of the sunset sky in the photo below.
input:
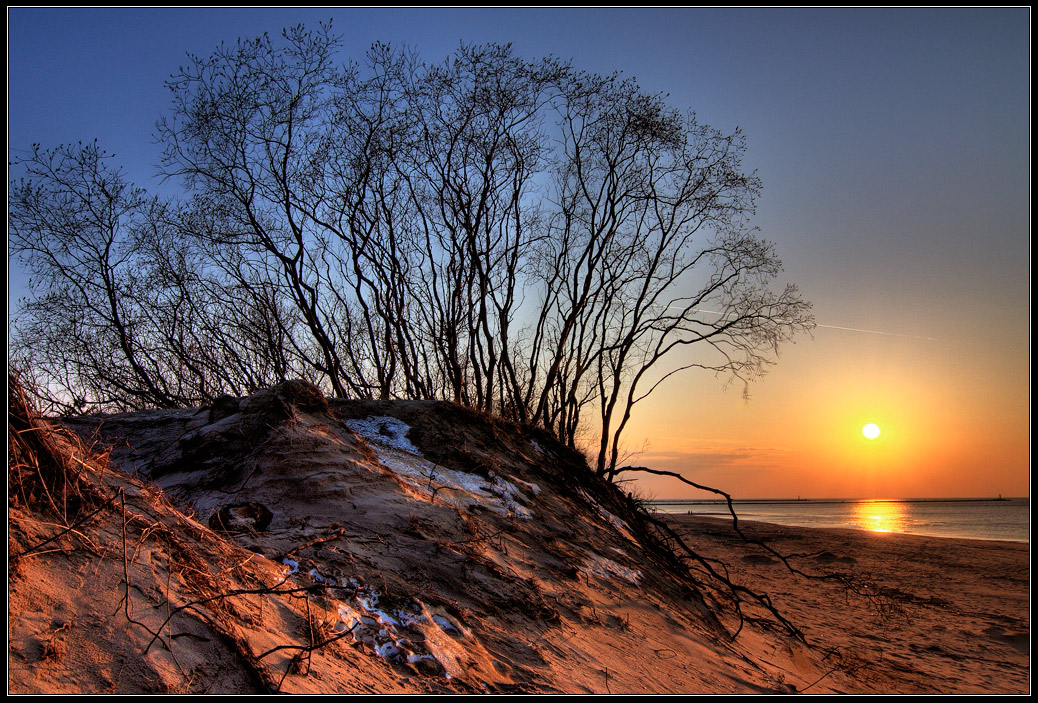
(894, 149)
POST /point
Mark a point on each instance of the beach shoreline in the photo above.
(989, 520)
(939, 614)
(726, 518)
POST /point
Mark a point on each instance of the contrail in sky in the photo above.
(889, 334)
(856, 329)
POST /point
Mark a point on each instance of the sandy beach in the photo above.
(950, 615)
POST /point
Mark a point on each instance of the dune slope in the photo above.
(287, 542)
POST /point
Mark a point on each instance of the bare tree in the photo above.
(650, 253)
(128, 312)
(515, 236)
(77, 223)
(479, 145)
(248, 133)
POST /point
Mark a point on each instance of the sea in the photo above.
(991, 519)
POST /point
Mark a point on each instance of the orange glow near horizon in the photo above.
(945, 432)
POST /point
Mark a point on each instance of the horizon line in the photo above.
(840, 500)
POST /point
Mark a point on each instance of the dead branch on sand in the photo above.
(855, 585)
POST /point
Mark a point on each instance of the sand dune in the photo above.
(285, 542)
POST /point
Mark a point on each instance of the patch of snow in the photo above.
(385, 430)
(387, 650)
(410, 619)
(293, 566)
(444, 624)
(387, 620)
(612, 519)
(402, 634)
(401, 631)
(417, 658)
(606, 569)
(458, 488)
(387, 437)
(620, 525)
(368, 598)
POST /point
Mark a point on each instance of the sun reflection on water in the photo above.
(880, 516)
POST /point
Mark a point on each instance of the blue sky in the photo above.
(894, 148)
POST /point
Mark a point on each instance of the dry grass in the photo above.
(48, 466)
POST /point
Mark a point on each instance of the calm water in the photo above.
(1002, 520)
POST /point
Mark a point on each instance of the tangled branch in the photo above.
(848, 582)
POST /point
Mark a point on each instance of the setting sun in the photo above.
(871, 431)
